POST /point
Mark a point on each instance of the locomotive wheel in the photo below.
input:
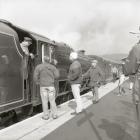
(8, 118)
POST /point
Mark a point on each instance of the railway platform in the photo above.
(113, 118)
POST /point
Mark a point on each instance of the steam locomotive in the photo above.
(18, 94)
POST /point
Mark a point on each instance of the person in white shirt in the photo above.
(121, 80)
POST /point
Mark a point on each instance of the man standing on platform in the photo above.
(24, 46)
(27, 62)
(121, 80)
(96, 75)
(45, 75)
(132, 67)
(75, 78)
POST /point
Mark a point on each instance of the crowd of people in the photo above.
(46, 73)
(132, 69)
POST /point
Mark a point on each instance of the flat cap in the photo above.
(28, 39)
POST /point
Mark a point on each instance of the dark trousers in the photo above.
(95, 93)
(114, 76)
(136, 100)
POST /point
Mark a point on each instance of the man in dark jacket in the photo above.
(132, 68)
(95, 74)
(45, 75)
(24, 46)
(75, 78)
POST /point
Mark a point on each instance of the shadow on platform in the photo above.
(115, 131)
(87, 117)
(73, 105)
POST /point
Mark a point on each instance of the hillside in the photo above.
(115, 57)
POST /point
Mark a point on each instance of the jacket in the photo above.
(75, 73)
(45, 74)
(131, 66)
(95, 74)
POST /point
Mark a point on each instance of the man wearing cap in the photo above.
(132, 68)
(121, 80)
(45, 75)
(24, 46)
(95, 74)
(75, 78)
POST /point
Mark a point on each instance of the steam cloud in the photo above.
(98, 26)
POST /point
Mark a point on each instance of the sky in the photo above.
(97, 26)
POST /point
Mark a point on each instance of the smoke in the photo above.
(98, 26)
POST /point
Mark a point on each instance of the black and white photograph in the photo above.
(69, 70)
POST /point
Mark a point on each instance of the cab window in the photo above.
(47, 50)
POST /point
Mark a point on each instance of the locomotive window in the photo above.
(47, 51)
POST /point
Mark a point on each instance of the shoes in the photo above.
(78, 110)
(77, 113)
(54, 116)
(94, 101)
(73, 113)
(45, 117)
